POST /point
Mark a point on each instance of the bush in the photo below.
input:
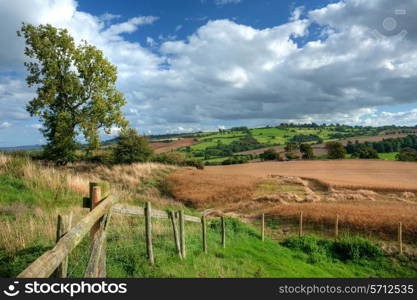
(236, 160)
(355, 248)
(365, 153)
(170, 158)
(195, 163)
(335, 150)
(307, 151)
(346, 248)
(177, 159)
(318, 250)
(407, 154)
(269, 154)
(291, 156)
(131, 148)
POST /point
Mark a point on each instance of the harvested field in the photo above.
(197, 190)
(318, 150)
(160, 147)
(376, 138)
(350, 173)
(375, 217)
(368, 195)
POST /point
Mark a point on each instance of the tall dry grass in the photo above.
(37, 227)
(369, 217)
(22, 225)
(201, 190)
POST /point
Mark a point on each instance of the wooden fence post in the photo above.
(300, 233)
(148, 228)
(182, 232)
(400, 237)
(95, 198)
(63, 226)
(96, 267)
(175, 230)
(204, 233)
(336, 227)
(223, 232)
(263, 228)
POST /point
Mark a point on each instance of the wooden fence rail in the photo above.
(96, 222)
(47, 263)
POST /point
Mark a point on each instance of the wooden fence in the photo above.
(102, 204)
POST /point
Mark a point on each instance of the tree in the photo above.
(335, 150)
(289, 147)
(307, 151)
(76, 90)
(366, 152)
(269, 154)
(131, 147)
(407, 154)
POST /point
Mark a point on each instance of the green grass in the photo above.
(270, 136)
(388, 156)
(245, 255)
(16, 190)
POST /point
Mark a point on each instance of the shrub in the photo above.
(177, 159)
(407, 154)
(195, 163)
(291, 156)
(170, 158)
(318, 250)
(269, 154)
(335, 150)
(346, 248)
(236, 160)
(365, 153)
(307, 151)
(131, 147)
(355, 248)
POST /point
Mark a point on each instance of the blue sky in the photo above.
(206, 64)
(191, 14)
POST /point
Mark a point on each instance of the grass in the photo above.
(271, 136)
(388, 156)
(245, 255)
(29, 205)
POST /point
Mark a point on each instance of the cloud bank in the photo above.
(338, 63)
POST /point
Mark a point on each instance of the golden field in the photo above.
(370, 195)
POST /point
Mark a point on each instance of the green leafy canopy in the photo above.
(76, 90)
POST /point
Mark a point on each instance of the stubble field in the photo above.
(368, 195)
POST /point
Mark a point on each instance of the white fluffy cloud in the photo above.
(224, 2)
(352, 60)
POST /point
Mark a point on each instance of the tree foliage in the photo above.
(365, 152)
(407, 154)
(269, 154)
(307, 151)
(76, 90)
(335, 150)
(131, 147)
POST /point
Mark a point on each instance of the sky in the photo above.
(192, 65)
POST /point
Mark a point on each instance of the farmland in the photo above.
(34, 193)
(214, 148)
(371, 195)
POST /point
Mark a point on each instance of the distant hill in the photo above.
(23, 148)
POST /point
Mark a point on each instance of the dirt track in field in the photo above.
(161, 147)
(370, 174)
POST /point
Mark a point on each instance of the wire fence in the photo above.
(394, 237)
